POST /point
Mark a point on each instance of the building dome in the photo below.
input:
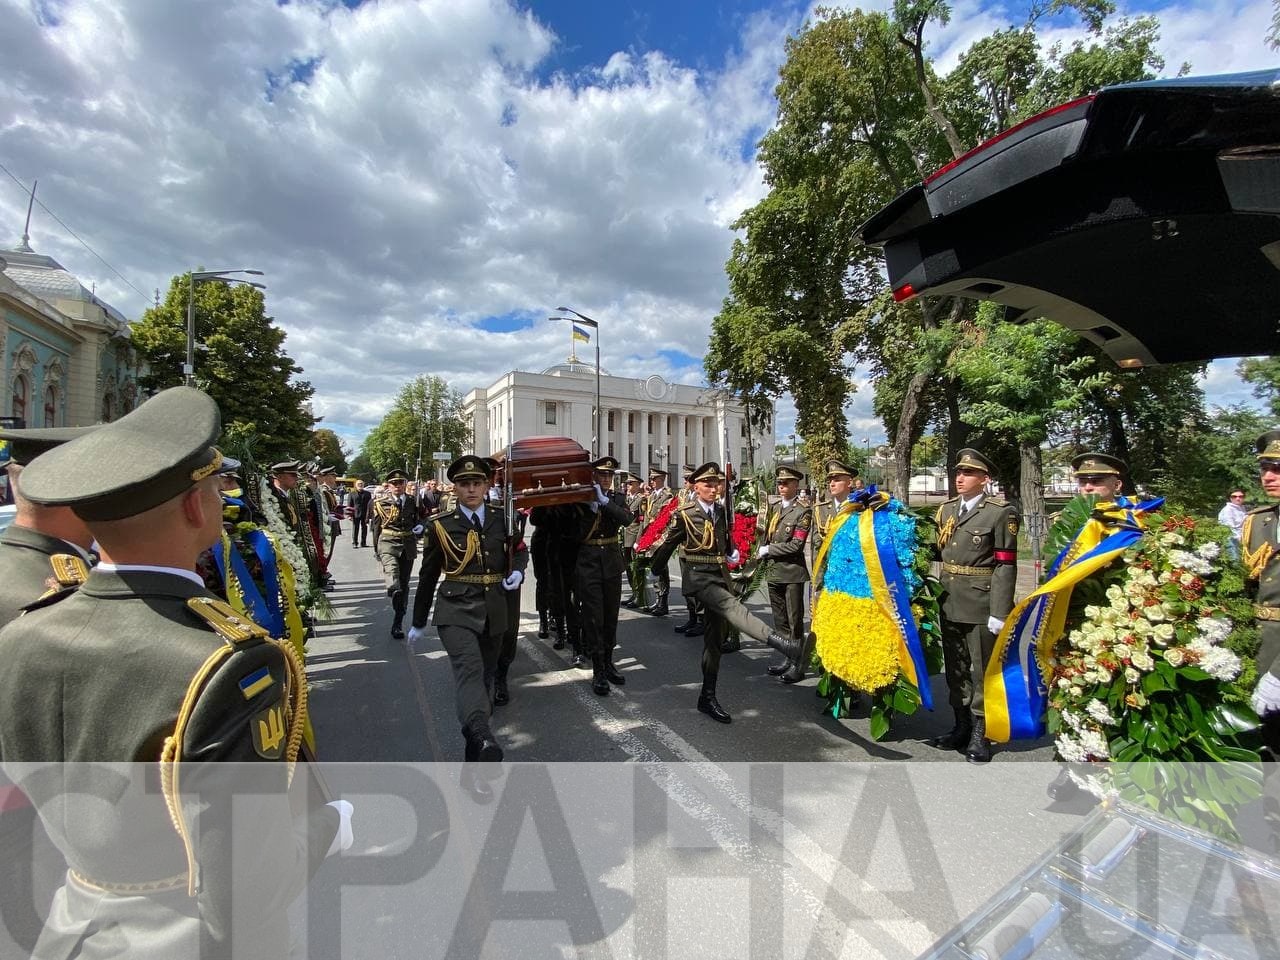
(573, 367)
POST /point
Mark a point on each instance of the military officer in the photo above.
(284, 479)
(1260, 553)
(659, 495)
(396, 529)
(694, 626)
(702, 529)
(1099, 474)
(978, 546)
(631, 533)
(467, 547)
(840, 477)
(144, 669)
(784, 533)
(511, 635)
(598, 575)
(45, 548)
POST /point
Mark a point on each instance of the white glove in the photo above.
(513, 582)
(416, 634)
(601, 497)
(417, 531)
(733, 557)
(343, 839)
(763, 551)
(333, 518)
(1266, 695)
(994, 625)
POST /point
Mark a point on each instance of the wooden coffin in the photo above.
(549, 470)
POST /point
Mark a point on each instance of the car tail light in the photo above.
(904, 292)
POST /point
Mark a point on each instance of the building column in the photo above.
(642, 443)
(678, 448)
(699, 439)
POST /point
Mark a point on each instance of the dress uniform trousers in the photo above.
(599, 587)
(723, 610)
(786, 600)
(966, 648)
(474, 658)
(396, 552)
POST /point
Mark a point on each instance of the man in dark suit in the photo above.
(703, 530)
(359, 503)
(465, 553)
(978, 546)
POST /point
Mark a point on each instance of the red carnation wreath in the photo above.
(651, 534)
(743, 537)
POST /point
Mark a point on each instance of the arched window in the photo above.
(51, 407)
(20, 398)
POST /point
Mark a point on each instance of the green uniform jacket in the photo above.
(601, 560)
(100, 676)
(690, 528)
(1261, 545)
(458, 603)
(26, 574)
(631, 532)
(786, 531)
(986, 539)
(388, 517)
(824, 513)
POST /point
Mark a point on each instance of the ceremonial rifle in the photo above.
(509, 500)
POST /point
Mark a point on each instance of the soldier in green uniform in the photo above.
(511, 635)
(784, 534)
(284, 479)
(45, 548)
(978, 546)
(1099, 474)
(396, 526)
(659, 496)
(702, 529)
(143, 669)
(839, 485)
(631, 533)
(1260, 553)
(694, 625)
(598, 575)
(465, 553)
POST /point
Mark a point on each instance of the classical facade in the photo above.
(68, 358)
(647, 422)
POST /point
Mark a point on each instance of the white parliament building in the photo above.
(645, 423)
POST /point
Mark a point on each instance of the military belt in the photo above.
(484, 579)
(393, 534)
(962, 570)
(703, 558)
(601, 541)
(178, 882)
(1264, 612)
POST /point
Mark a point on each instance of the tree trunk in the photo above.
(1031, 493)
(957, 431)
(909, 429)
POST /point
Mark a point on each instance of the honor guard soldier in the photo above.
(702, 528)
(510, 636)
(978, 546)
(143, 669)
(694, 625)
(659, 496)
(1099, 474)
(45, 549)
(1260, 553)
(599, 575)
(465, 553)
(396, 527)
(840, 478)
(631, 533)
(284, 479)
(784, 533)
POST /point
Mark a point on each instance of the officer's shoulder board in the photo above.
(998, 501)
(1268, 508)
(223, 619)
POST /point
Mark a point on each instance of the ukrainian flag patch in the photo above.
(256, 682)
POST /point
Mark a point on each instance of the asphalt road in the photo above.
(785, 833)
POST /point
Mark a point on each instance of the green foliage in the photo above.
(1263, 373)
(426, 416)
(361, 466)
(328, 449)
(239, 361)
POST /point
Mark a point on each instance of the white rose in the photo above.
(1114, 592)
(1122, 650)
(1143, 661)
(1131, 675)
(1091, 612)
(1164, 633)
(1154, 613)
(1063, 683)
(1076, 691)
(1174, 656)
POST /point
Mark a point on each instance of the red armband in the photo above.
(800, 534)
(1005, 556)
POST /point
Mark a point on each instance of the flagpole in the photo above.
(595, 441)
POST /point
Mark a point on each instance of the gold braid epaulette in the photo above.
(459, 556)
(1254, 560)
(706, 539)
(68, 571)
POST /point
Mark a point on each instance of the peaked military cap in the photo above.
(974, 460)
(632, 478)
(1268, 445)
(328, 472)
(286, 466)
(687, 476)
(395, 475)
(230, 466)
(707, 472)
(1092, 463)
(838, 468)
(606, 465)
(786, 471)
(26, 445)
(655, 472)
(129, 466)
(491, 465)
(469, 467)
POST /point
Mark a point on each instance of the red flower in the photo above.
(743, 538)
(653, 532)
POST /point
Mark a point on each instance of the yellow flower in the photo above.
(857, 640)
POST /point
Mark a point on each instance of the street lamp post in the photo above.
(198, 276)
(595, 441)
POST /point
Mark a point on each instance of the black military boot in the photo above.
(801, 663)
(708, 704)
(957, 738)
(631, 601)
(731, 643)
(612, 673)
(659, 606)
(599, 682)
(557, 627)
(979, 750)
(397, 627)
(542, 625)
(501, 695)
(779, 668)
(784, 645)
(688, 624)
(468, 778)
(699, 627)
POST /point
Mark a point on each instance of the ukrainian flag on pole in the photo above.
(580, 334)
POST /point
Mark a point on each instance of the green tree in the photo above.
(1208, 461)
(240, 362)
(360, 466)
(326, 447)
(1263, 373)
(426, 416)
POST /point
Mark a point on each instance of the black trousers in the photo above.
(396, 554)
(541, 557)
(723, 611)
(600, 597)
(360, 527)
(786, 600)
(507, 651)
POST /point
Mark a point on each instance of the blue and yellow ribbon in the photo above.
(1015, 687)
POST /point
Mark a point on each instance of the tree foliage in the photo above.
(426, 417)
(326, 447)
(1263, 374)
(239, 361)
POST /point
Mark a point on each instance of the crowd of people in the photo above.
(153, 610)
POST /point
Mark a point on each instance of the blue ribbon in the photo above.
(264, 611)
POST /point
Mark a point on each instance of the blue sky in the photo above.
(424, 181)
